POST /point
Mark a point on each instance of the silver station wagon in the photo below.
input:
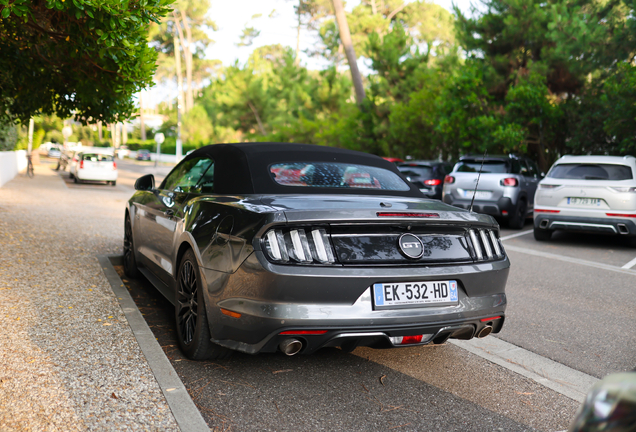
(264, 247)
(593, 194)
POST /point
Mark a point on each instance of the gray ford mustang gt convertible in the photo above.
(293, 247)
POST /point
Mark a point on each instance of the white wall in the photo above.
(11, 163)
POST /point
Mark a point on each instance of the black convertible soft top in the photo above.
(243, 168)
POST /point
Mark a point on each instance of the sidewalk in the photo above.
(68, 359)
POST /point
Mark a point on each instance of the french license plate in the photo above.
(478, 195)
(389, 295)
(585, 202)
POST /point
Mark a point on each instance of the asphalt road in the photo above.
(569, 300)
(581, 314)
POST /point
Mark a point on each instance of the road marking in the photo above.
(630, 264)
(519, 234)
(555, 376)
(571, 260)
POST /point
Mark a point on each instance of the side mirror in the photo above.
(145, 183)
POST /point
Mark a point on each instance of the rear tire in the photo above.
(130, 263)
(518, 217)
(193, 331)
(542, 234)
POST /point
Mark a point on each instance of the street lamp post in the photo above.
(159, 138)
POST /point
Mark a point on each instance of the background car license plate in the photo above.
(388, 295)
(586, 202)
(480, 194)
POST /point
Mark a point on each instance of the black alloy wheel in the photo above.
(193, 332)
(130, 263)
(518, 217)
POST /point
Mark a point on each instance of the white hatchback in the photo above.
(94, 165)
(594, 194)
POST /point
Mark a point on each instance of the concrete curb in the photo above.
(185, 412)
(555, 376)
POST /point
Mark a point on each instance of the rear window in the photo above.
(417, 171)
(591, 172)
(97, 157)
(336, 175)
(489, 166)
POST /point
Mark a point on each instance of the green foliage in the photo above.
(196, 128)
(8, 135)
(83, 57)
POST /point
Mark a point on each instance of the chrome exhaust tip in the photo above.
(484, 332)
(622, 228)
(544, 223)
(290, 346)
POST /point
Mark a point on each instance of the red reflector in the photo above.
(114, 165)
(504, 212)
(449, 179)
(432, 182)
(303, 332)
(82, 164)
(547, 211)
(621, 215)
(421, 215)
(490, 319)
(510, 181)
(406, 340)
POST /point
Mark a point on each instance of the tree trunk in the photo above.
(345, 37)
(142, 125)
(188, 57)
(297, 59)
(258, 118)
(177, 57)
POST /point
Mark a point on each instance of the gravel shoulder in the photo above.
(68, 359)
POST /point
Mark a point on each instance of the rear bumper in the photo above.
(273, 299)
(97, 175)
(610, 226)
(500, 208)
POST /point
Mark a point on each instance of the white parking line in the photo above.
(630, 264)
(571, 260)
(519, 234)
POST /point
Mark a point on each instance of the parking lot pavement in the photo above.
(571, 300)
(68, 360)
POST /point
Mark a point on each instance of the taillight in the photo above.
(82, 164)
(432, 182)
(295, 245)
(510, 181)
(449, 179)
(114, 165)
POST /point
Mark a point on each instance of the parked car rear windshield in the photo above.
(336, 175)
(97, 157)
(417, 171)
(489, 166)
(591, 171)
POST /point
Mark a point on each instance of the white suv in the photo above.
(595, 194)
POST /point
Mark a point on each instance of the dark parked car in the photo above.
(143, 155)
(267, 246)
(428, 176)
